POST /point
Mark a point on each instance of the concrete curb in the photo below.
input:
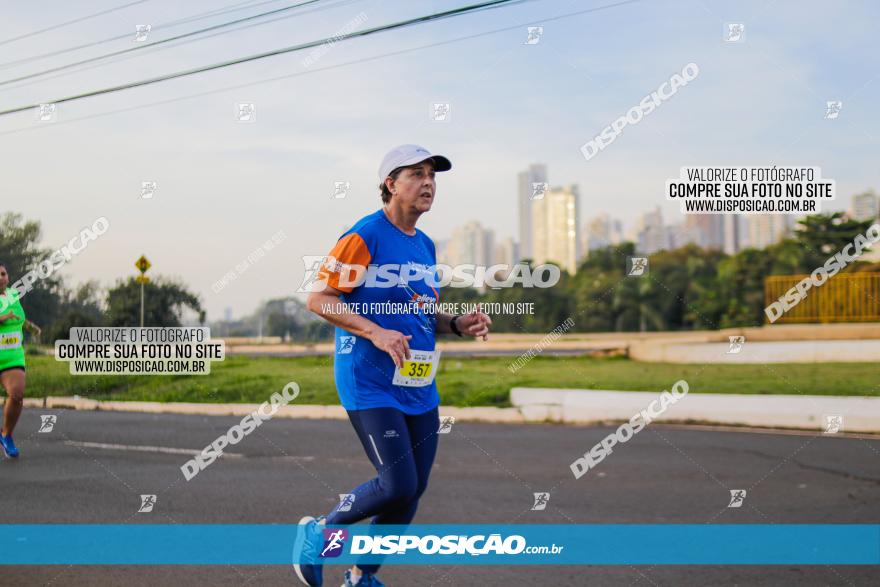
(333, 412)
(567, 406)
(794, 351)
(860, 414)
(74, 403)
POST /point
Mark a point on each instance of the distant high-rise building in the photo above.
(440, 247)
(652, 235)
(705, 230)
(768, 229)
(507, 252)
(679, 235)
(555, 229)
(536, 175)
(601, 231)
(865, 206)
(734, 233)
(470, 244)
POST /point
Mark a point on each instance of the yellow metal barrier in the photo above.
(846, 297)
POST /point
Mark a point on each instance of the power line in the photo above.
(154, 43)
(70, 22)
(290, 49)
(171, 23)
(316, 70)
(119, 59)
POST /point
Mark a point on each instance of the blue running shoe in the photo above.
(306, 548)
(366, 580)
(9, 446)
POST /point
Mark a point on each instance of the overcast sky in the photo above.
(225, 187)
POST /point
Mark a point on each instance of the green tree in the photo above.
(20, 253)
(598, 292)
(704, 303)
(164, 303)
(283, 317)
(741, 287)
(825, 234)
(80, 308)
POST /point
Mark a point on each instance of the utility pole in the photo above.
(142, 264)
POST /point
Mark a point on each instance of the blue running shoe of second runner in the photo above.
(8, 446)
(306, 551)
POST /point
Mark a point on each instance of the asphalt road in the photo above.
(484, 473)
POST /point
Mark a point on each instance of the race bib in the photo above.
(10, 340)
(419, 370)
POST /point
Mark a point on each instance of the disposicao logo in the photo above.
(334, 542)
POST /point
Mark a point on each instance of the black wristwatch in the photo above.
(453, 327)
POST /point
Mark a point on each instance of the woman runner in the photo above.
(12, 363)
(385, 357)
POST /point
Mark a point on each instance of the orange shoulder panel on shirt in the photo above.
(348, 259)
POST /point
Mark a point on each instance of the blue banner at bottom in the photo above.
(482, 544)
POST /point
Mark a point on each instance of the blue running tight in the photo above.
(402, 449)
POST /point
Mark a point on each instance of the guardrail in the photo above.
(846, 297)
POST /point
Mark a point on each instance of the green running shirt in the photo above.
(11, 336)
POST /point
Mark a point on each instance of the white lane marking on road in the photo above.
(167, 450)
(775, 431)
(142, 448)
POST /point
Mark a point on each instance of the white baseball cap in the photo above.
(405, 155)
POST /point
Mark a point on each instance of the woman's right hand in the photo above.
(394, 343)
(10, 315)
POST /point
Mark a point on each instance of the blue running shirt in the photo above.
(363, 372)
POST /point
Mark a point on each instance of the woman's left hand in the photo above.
(475, 323)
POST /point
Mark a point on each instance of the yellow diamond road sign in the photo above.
(142, 264)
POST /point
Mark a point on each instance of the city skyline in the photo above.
(729, 233)
(221, 186)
